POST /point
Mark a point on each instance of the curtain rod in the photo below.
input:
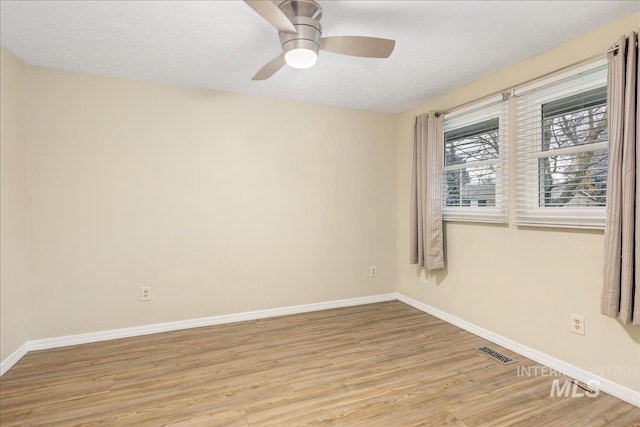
(510, 88)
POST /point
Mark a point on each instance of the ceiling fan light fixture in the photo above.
(301, 45)
(301, 58)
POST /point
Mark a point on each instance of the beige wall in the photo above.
(522, 283)
(13, 275)
(222, 203)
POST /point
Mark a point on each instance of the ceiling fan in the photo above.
(300, 32)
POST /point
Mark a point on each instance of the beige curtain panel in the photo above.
(427, 242)
(620, 294)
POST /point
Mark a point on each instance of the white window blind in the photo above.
(475, 164)
(562, 151)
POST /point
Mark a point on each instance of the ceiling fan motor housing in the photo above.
(305, 16)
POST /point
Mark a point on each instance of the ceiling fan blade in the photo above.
(270, 68)
(272, 14)
(369, 47)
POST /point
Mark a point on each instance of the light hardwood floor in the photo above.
(384, 364)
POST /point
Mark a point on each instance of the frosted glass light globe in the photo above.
(301, 58)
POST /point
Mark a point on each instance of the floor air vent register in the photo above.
(498, 357)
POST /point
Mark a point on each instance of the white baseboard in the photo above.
(606, 385)
(68, 340)
(204, 321)
(13, 358)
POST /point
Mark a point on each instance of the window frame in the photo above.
(529, 212)
(479, 113)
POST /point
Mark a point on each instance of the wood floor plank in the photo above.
(384, 364)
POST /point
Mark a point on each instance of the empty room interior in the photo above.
(300, 213)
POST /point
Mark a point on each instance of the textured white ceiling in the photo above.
(440, 45)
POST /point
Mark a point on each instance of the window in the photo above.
(474, 173)
(562, 151)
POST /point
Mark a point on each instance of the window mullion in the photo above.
(570, 150)
(491, 162)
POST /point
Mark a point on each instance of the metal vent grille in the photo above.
(499, 357)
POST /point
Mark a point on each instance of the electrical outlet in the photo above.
(145, 293)
(373, 272)
(577, 324)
